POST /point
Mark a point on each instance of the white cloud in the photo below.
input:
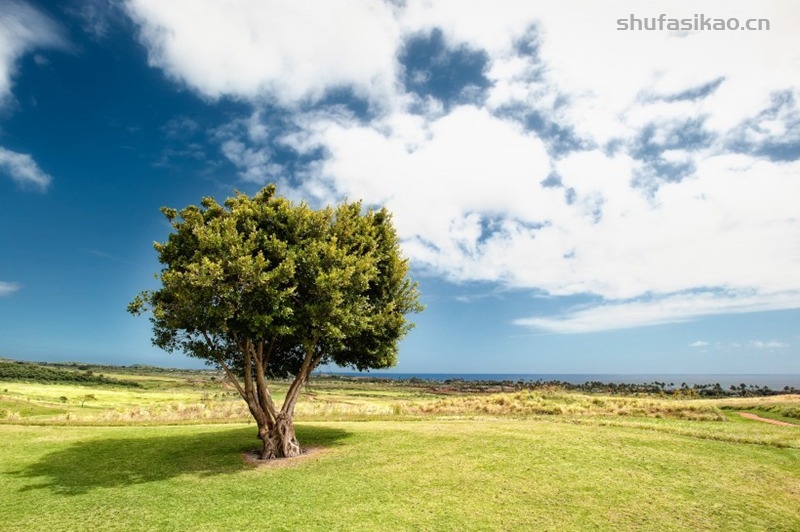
(256, 164)
(22, 29)
(610, 77)
(769, 345)
(673, 308)
(658, 212)
(290, 51)
(447, 179)
(759, 345)
(23, 169)
(7, 288)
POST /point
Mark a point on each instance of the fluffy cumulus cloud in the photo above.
(519, 143)
(22, 29)
(289, 51)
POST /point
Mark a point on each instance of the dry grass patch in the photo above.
(557, 402)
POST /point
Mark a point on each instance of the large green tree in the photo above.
(266, 287)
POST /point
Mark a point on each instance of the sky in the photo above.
(572, 196)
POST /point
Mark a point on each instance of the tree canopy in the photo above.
(265, 287)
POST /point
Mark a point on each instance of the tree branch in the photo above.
(224, 366)
(248, 370)
(261, 383)
(269, 351)
(315, 362)
(294, 390)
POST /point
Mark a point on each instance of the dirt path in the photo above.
(765, 420)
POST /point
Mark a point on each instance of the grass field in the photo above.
(388, 457)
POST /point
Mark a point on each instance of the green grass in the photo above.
(22, 408)
(392, 457)
(422, 475)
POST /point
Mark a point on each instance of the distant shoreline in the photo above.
(775, 382)
(772, 381)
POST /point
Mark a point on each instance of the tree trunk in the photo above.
(279, 440)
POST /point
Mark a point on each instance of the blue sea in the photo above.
(774, 382)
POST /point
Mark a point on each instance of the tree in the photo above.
(264, 287)
(88, 397)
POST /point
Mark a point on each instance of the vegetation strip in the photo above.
(34, 372)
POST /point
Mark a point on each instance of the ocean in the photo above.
(773, 382)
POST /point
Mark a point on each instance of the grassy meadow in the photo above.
(171, 454)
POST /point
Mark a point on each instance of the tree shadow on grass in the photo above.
(114, 462)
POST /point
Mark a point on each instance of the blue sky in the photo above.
(572, 198)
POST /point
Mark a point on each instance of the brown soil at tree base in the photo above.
(252, 457)
(748, 415)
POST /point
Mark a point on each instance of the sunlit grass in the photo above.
(422, 475)
(176, 400)
(104, 397)
(528, 460)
